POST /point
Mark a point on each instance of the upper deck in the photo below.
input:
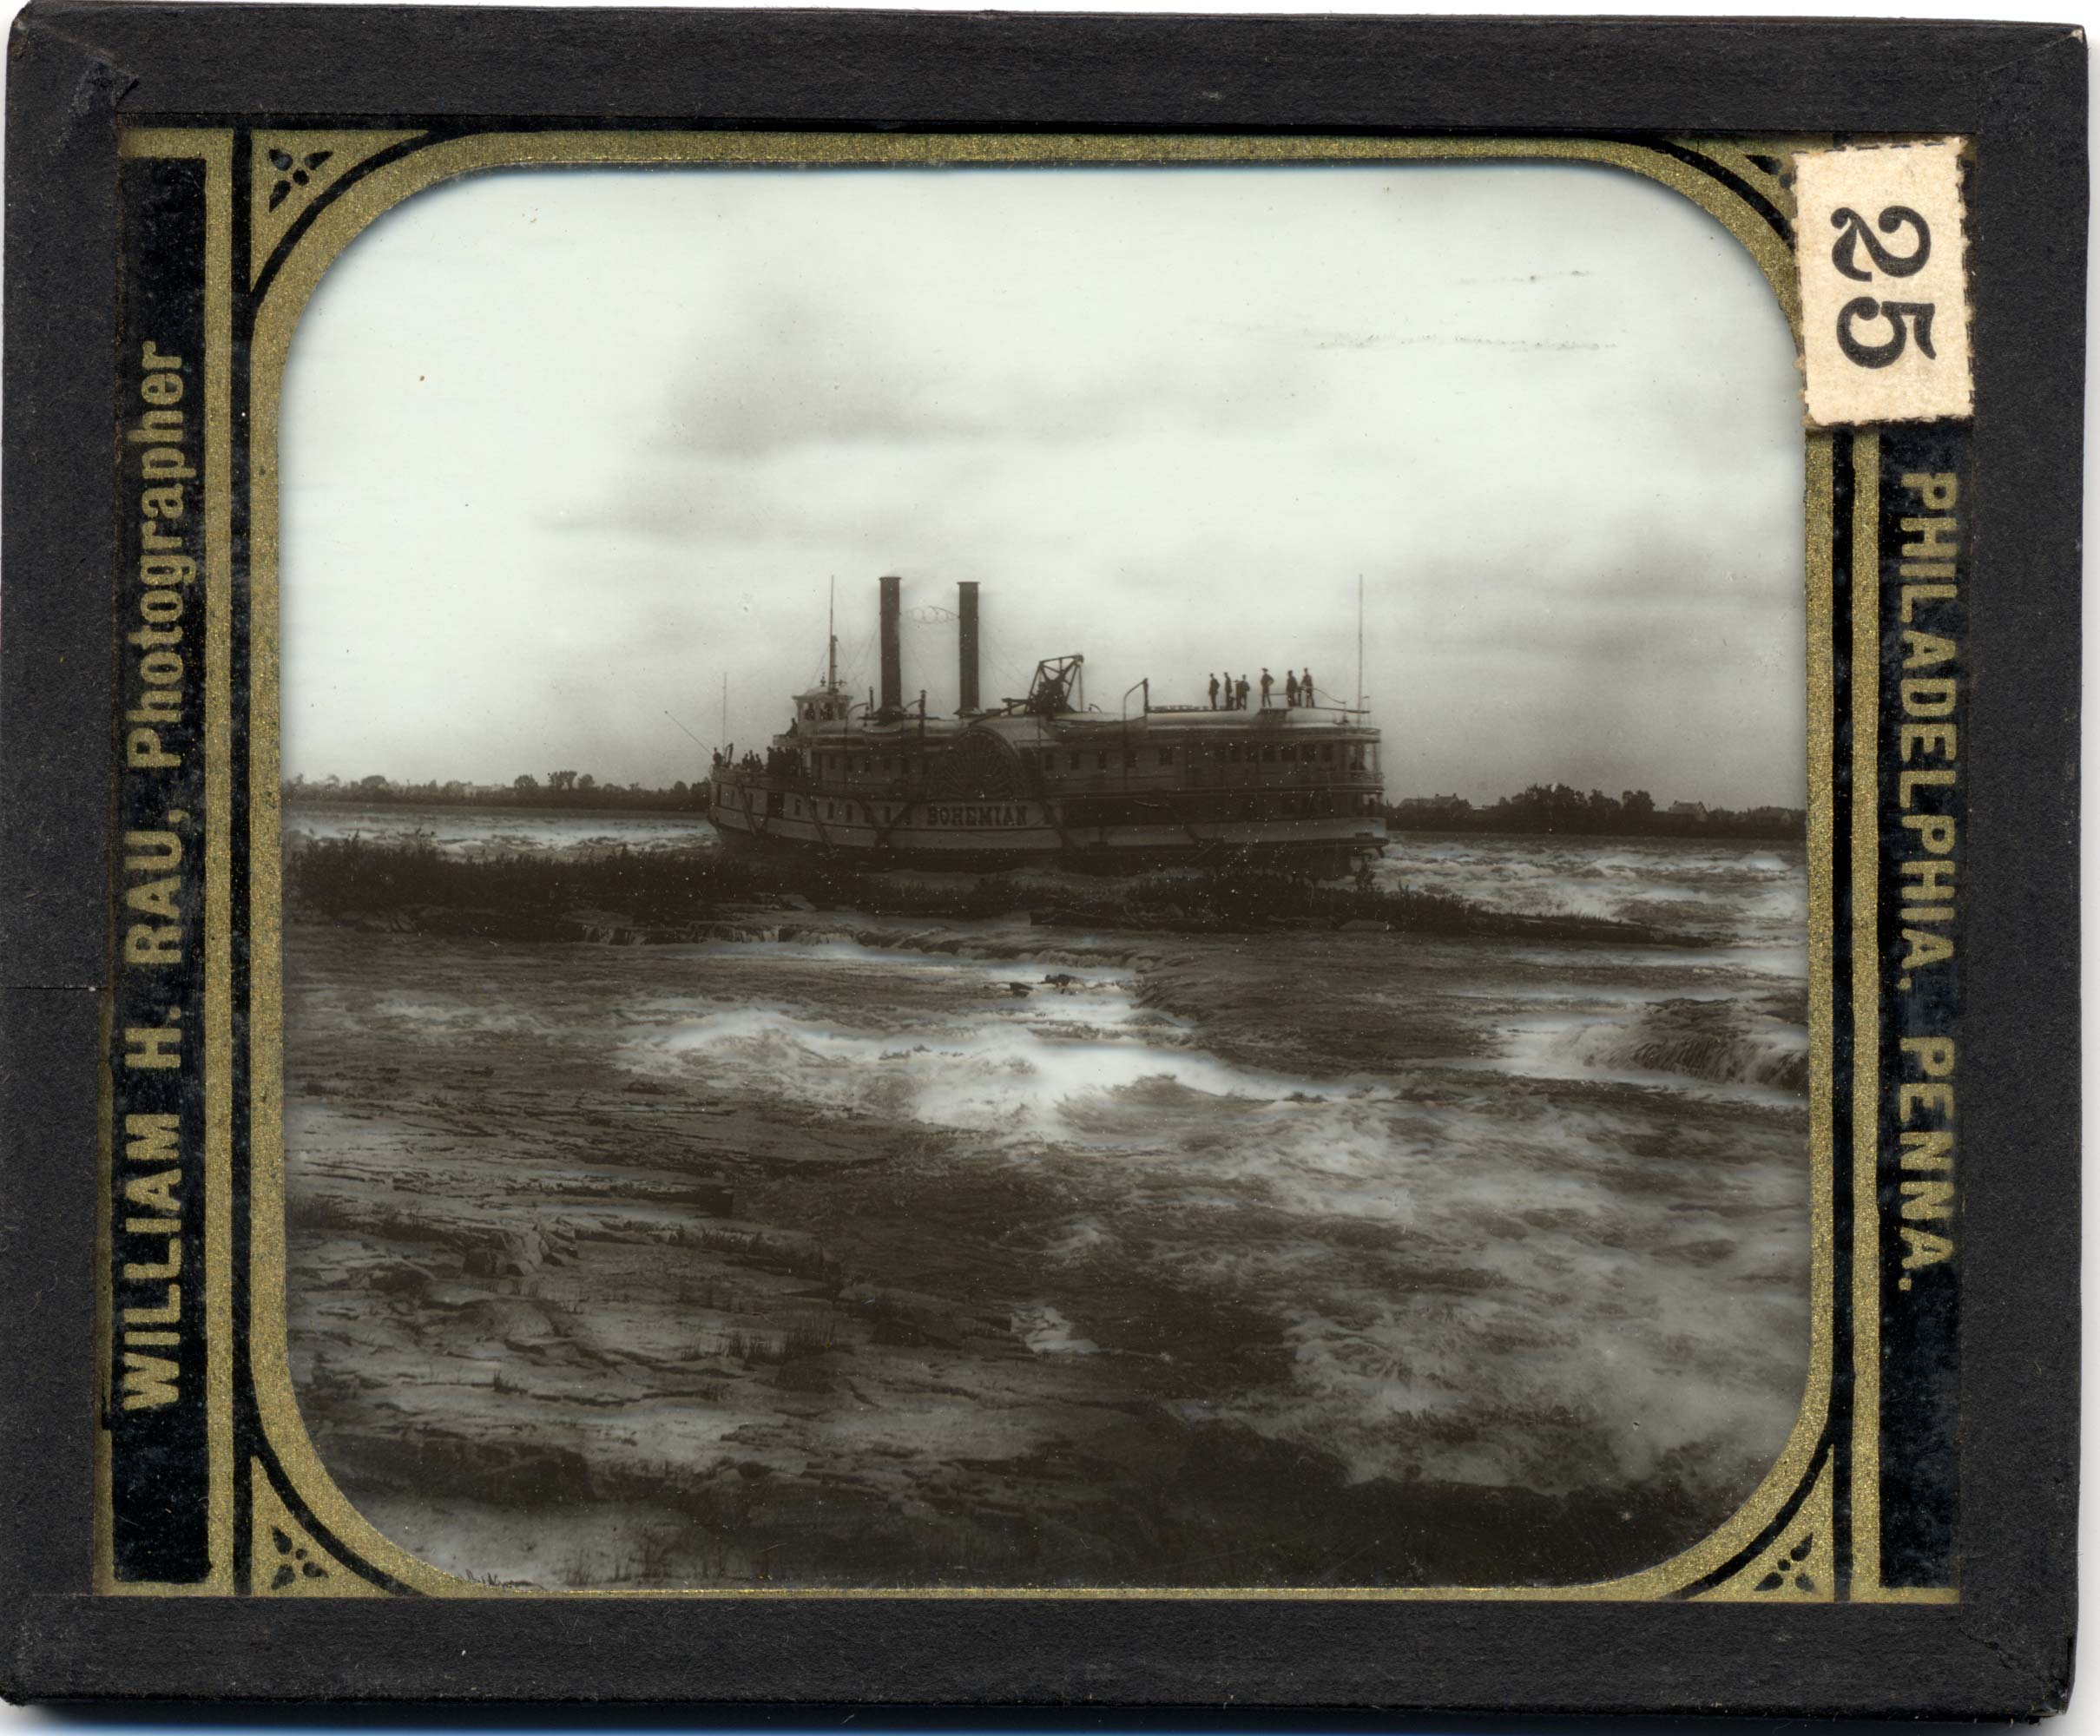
(1159, 751)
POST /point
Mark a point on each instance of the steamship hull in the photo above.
(1030, 834)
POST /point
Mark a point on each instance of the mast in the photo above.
(1360, 643)
(831, 639)
(725, 707)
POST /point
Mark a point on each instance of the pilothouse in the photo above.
(1046, 777)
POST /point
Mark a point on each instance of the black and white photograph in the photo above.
(1075, 877)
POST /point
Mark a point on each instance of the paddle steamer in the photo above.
(1046, 778)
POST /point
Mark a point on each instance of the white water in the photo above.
(498, 832)
(1517, 1214)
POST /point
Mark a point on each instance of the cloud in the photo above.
(1167, 419)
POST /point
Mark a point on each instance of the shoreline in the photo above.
(1396, 823)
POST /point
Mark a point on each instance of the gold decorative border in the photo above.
(289, 276)
(1865, 1014)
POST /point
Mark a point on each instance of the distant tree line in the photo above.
(1561, 808)
(1541, 808)
(565, 789)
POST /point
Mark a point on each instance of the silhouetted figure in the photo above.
(1242, 693)
(1305, 689)
(1268, 681)
(1213, 692)
(1290, 687)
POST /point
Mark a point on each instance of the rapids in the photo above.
(1479, 1213)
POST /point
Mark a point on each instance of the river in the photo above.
(1510, 1232)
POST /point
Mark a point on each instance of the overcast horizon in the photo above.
(561, 450)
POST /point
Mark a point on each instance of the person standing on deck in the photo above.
(1268, 682)
(1213, 692)
(1304, 688)
(1242, 693)
(1290, 687)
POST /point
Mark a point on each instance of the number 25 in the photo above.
(1845, 255)
(1880, 355)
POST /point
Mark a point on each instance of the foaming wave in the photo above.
(1738, 890)
(1054, 1075)
(446, 1020)
(1714, 1042)
(1397, 1392)
(476, 832)
(1767, 1053)
(1493, 1288)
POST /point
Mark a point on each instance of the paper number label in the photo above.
(1884, 298)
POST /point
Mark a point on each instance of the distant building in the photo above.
(1689, 810)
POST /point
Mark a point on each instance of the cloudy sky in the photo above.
(561, 450)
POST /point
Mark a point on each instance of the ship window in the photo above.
(1165, 756)
(1327, 753)
(1075, 764)
(1129, 758)
(1101, 760)
(1290, 756)
(1268, 755)
(1233, 752)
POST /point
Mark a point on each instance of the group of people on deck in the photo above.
(1297, 691)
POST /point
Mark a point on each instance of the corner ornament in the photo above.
(291, 172)
(284, 1559)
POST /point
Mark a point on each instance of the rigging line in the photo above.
(856, 662)
(1003, 663)
(915, 666)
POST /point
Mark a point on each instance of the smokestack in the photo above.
(966, 644)
(892, 672)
